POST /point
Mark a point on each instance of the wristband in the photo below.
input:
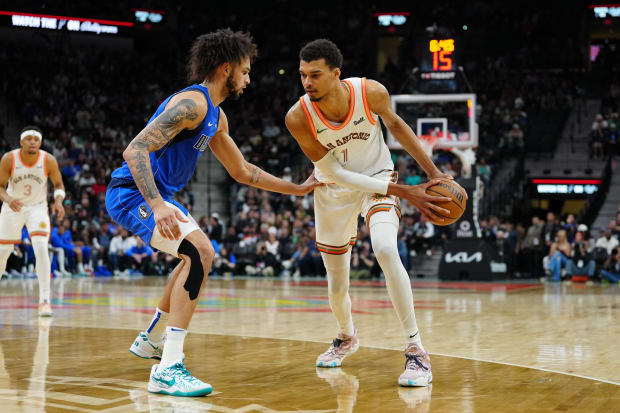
(59, 192)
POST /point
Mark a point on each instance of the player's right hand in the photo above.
(416, 194)
(16, 205)
(167, 221)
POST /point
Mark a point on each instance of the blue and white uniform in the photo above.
(173, 165)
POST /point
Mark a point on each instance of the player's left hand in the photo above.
(449, 177)
(308, 185)
(58, 209)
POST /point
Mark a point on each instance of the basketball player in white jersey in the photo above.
(24, 202)
(336, 124)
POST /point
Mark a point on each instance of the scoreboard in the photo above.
(438, 62)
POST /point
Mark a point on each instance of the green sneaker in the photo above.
(176, 380)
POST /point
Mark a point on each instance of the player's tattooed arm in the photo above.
(185, 113)
(242, 171)
(255, 174)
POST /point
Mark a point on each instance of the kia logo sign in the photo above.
(463, 257)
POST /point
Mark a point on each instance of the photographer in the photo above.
(613, 273)
(581, 263)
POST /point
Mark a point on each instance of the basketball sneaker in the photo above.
(145, 348)
(417, 368)
(341, 347)
(45, 309)
(176, 380)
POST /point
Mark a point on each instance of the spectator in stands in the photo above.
(570, 226)
(119, 244)
(263, 262)
(612, 273)
(423, 235)
(550, 229)
(559, 253)
(225, 262)
(362, 262)
(582, 261)
(607, 241)
(139, 257)
(215, 228)
(61, 238)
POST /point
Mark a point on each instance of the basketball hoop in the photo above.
(428, 143)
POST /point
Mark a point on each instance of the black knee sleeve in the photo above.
(196, 272)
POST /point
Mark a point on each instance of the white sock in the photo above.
(173, 350)
(80, 267)
(157, 328)
(337, 267)
(383, 235)
(43, 267)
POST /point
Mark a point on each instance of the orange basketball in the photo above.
(456, 205)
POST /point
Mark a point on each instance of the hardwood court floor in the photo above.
(494, 348)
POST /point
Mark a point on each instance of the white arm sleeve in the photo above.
(332, 169)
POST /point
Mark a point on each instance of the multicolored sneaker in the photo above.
(341, 347)
(417, 368)
(144, 348)
(45, 309)
(176, 380)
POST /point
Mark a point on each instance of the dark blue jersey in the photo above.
(173, 165)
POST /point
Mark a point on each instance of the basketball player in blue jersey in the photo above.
(159, 162)
(336, 124)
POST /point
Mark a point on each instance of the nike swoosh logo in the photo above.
(167, 382)
(209, 124)
(322, 130)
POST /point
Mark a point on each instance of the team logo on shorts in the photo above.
(43, 224)
(143, 212)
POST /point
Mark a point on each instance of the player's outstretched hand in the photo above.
(416, 194)
(167, 221)
(59, 210)
(308, 186)
(16, 205)
(450, 178)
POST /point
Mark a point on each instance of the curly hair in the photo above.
(322, 49)
(212, 49)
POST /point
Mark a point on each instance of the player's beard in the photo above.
(231, 89)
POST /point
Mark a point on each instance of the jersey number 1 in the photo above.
(345, 157)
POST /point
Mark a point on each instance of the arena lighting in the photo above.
(148, 16)
(603, 11)
(560, 181)
(392, 18)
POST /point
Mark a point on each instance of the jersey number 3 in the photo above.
(28, 190)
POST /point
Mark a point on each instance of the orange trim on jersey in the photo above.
(45, 166)
(366, 106)
(24, 163)
(8, 242)
(12, 160)
(38, 234)
(349, 115)
(308, 117)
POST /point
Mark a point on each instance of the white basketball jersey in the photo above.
(358, 142)
(28, 183)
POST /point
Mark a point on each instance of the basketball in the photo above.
(456, 205)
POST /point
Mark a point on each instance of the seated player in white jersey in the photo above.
(336, 124)
(24, 202)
